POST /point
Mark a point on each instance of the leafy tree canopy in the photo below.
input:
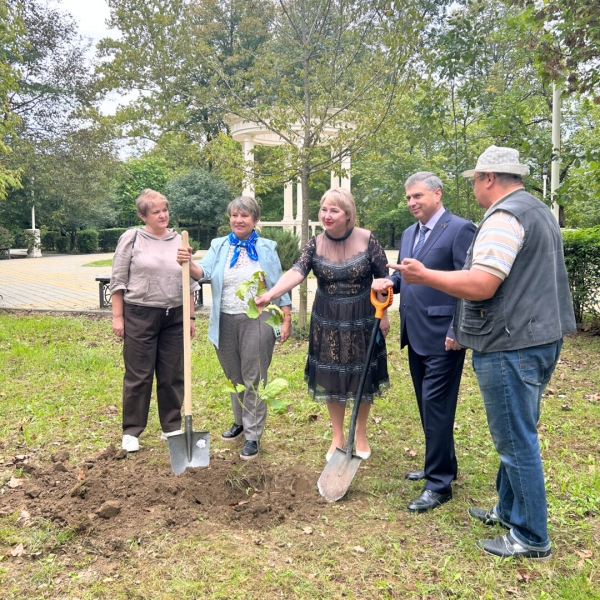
(565, 37)
(199, 196)
(10, 31)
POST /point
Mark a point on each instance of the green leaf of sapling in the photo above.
(252, 310)
(278, 406)
(274, 388)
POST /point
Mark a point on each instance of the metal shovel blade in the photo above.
(338, 475)
(179, 450)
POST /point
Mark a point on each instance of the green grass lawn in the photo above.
(107, 262)
(60, 384)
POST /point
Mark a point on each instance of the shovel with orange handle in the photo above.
(341, 468)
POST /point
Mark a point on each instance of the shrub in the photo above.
(193, 243)
(87, 241)
(25, 239)
(582, 257)
(62, 243)
(288, 245)
(49, 240)
(6, 238)
(108, 238)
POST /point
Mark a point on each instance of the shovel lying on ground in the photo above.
(341, 468)
(189, 448)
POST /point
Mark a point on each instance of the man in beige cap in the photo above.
(515, 308)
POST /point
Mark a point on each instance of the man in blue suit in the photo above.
(439, 240)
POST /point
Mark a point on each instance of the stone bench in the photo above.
(10, 253)
(104, 292)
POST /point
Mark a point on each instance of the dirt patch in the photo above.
(113, 495)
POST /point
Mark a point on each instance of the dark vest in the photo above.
(533, 305)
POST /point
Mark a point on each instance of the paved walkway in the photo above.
(63, 283)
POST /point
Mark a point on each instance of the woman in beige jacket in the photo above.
(146, 291)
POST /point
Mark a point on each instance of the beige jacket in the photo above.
(147, 270)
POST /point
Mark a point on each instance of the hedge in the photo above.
(582, 257)
(49, 239)
(87, 241)
(108, 238)
(62, 243)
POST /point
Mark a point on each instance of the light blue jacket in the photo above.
(213, 265)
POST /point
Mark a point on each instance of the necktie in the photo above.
(422, 234)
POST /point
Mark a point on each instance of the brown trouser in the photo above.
(153, 344)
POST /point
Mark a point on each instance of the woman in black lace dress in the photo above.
(344, 259)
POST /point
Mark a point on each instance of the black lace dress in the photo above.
(343, 317)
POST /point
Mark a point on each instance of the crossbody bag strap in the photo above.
(131, 257)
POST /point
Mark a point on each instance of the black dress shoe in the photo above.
(415, 475)
(234, 432)
(428, 500)
(487, 517)
(250, 450)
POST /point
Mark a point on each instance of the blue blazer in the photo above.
(426, 314)
(213, 265)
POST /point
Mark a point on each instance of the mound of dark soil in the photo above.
(116, 495)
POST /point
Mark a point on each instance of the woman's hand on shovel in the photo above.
(185, 255)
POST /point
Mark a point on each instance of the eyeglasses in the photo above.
(472, 181)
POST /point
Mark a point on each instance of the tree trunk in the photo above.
(303, 305)
(305, 171)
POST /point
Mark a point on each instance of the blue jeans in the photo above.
(512, 384)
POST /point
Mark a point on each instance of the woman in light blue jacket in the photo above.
(244, 346)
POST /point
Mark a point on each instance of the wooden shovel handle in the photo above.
(187, 358)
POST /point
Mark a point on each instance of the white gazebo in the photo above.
(250, 134)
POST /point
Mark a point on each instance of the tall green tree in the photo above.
(135, 175)
(68, 180)
(200, 197)
(54, 74)
(157, 60)
(565, 37)
(480, 87)
(64, 156)
(327, 64)
(10, 32)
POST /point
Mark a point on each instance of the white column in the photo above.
(299, 201)
(247, 149)
(288, 202)
(345, 183)
(35, 251)
(335, 180)
(555, 169)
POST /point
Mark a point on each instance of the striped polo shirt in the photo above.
(498, 243)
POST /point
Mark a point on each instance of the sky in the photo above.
(91, 14)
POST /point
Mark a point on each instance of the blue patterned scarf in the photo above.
(249, 244)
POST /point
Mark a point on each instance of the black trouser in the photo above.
(436, 380)
(153, 344)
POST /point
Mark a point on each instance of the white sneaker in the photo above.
(130, 443)
(164, 436)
